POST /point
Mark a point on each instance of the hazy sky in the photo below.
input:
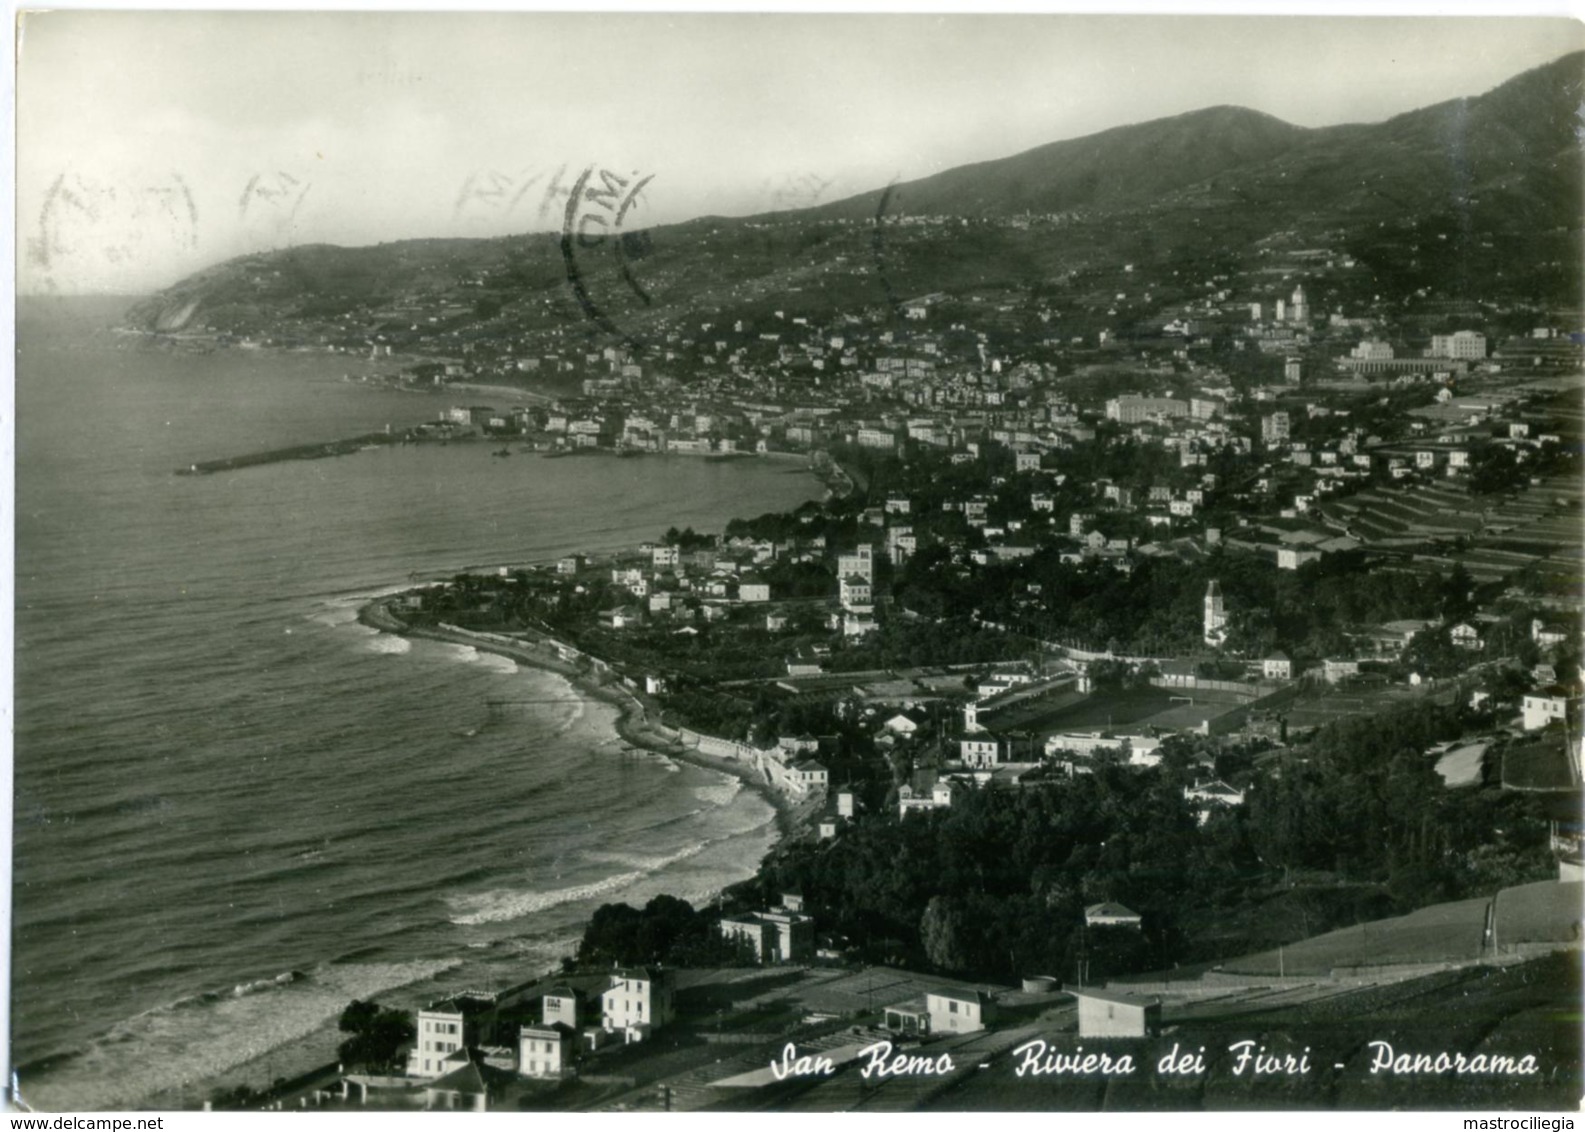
(152, 144)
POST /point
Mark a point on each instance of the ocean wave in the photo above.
(653, 863)
(258, 986)
(501, 905)
(739, 821)
(205, 998)
(363, 595)
(509, 904)
(719, 795)
(388, 645)
(549, 949)
(666, 822)
(666, 763)
(334, 615)
(577, 713)
(626, 860)
(199, 1036)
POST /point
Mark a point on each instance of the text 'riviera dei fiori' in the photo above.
(1038, 1059)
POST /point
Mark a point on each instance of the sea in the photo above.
(236, 809)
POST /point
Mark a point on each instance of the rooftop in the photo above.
(465, 1080)
(1112, 996)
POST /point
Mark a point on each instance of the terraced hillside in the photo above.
(1405, 516)
(1440, 524)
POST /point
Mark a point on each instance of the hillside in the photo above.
(1121, 166)
(1474, 200)
(1517, 138)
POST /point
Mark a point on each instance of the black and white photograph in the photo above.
(646, 561)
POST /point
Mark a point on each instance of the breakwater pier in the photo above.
(295, 452)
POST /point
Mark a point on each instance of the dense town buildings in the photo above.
(1060, 547)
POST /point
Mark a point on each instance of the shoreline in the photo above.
(793, 817)
(493, 390)
(315, 1048)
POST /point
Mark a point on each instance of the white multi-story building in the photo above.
(980, 753)
(638, 1000)
(1541, 708)
(445, 1029)
(545, 1051)
(1133, 410)
(1084, 743)
(780, 935)
(1298, 306)
(855, 594)
(561, 1004)
(900, 544)
(1215, 615)
(753, 590)
(449, 1028)
(1467, 345)
(940, 798)
(861, 562)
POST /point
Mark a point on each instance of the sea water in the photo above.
(236, 808)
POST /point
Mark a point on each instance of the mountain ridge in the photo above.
(1140, 167)
(1476, 196)
(1076, 172)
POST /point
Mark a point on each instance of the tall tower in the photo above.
(1215, 615)
(1298, 308)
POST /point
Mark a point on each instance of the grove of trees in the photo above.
(1354, 825)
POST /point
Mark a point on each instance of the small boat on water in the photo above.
(502, 452)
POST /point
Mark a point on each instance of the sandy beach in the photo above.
(634, 723)
(636, 727)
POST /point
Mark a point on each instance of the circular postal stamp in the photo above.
(599, 246)
(90, 230)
